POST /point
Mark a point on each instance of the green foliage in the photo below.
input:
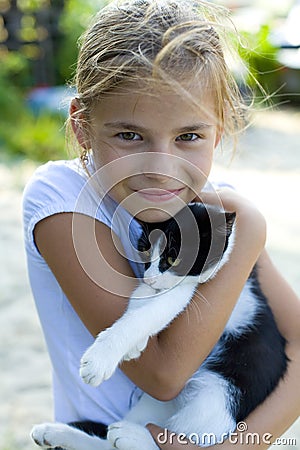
(21, 133)
(74, 20)
(261, 58)
(39, 138)
(13, 75)
(31, 5)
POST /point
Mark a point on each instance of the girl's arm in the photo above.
(277, 413)
(171, 357)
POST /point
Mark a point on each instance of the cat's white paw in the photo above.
(100, 361)
(50, 435)
(136, 351)
(130, 436)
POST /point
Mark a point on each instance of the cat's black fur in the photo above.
(199, 226)
(253, 361)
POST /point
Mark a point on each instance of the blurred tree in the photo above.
(74, 20)
(45, 32)
(38, 46)
(29, 27)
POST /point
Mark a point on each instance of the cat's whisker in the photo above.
(196, 310)
(196, 306)
(201, 297)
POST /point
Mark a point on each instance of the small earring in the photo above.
(84, 158)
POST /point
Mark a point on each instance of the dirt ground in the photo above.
(266, 169)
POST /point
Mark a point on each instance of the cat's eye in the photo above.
(173, 261)
(146, 253)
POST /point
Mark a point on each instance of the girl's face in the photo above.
(155, 150)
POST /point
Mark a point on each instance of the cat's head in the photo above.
(191, 247)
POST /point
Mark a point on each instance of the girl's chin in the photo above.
(155, 215)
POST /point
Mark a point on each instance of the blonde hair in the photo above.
(166, 41)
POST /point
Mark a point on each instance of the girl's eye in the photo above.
(129, 136)
(188, 137)
(174, 262)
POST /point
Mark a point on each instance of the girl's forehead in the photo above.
(158, 88)
(191, 100)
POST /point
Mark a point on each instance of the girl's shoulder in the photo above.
(55, 187)
(56, 182)
(52, 188)
(60, 175)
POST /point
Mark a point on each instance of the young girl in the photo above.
(154, 97)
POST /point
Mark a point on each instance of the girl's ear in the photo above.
(78, 124)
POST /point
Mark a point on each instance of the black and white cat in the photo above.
(243, 368)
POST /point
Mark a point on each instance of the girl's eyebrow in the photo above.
(195, 127)
(132, 126)
(124, 126)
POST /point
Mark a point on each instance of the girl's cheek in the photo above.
(203, 164)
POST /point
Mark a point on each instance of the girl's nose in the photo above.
(159, 165)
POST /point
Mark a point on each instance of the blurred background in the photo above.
(38, 50)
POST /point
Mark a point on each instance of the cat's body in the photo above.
(243, 368)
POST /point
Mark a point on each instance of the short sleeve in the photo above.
(56, 187)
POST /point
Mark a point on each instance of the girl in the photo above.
(154, 97)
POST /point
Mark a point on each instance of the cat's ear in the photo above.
(230, 219)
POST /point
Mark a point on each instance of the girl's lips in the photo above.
(159, 195)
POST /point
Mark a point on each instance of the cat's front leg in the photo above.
(100, 360)
(52, 435)
(143, 318)
(119, 342)
(140, 297)
(136, 351)
(130, 436)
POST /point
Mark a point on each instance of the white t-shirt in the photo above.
(58, 187)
